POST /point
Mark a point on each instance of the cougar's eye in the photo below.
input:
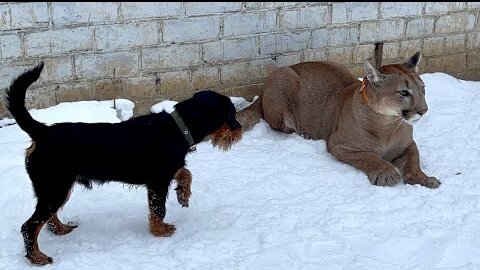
(404, 93)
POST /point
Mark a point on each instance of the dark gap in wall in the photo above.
(378, 54)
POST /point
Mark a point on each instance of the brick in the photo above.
(268, 45)
(354, 12)
(343, 36)
(75, 92)
(249, 23)
(174, 83)
(292, 42)
(409, 48)
(106, 65)
(140, 87)
(124, 36)
(471, 75)
(108, 89)
(9, 72)
(10, 46)
(205, 78)
(455, 44)
(420, 27)
(234, 73)
(316, 55)
(41, 97)
(240, 49)
(400, 9)
(212, 52)
(59, 41)
(170, 57)
(436, 64)
(69, 13)
(144, 10)
(320, 38)
(473, 60)
(454, 23)
(363, 52)
(260, 5)
(357, 71)
(246, 91)
(191, 29)
(338, 36)
(26, 15)
(441, 7)
(433, 46)
(260, 69)
(342, 56)
(390, 50)
(289, 59)
(3, 110)
(457, 62)
(473, 40)
(204, 8)
(5, 17)
(473, 4)
(385, 30)
(57, 70)
(307, 17)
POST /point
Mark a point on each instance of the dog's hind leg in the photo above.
(184, 183)
(56, 226)
(50, 199)
(157, 197)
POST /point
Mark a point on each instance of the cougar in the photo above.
(367, 124)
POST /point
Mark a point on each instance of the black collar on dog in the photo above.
(186, 133)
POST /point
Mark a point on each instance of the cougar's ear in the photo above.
(373, 75)
(412, 63)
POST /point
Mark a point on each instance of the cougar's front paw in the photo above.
(388, 177)
(429, 182)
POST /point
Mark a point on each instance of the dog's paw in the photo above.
(388, 177)
(40, 259)
(163, 230)
(183, 195)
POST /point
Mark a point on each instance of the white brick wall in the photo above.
(148, 51)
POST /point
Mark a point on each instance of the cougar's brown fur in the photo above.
(366, 124)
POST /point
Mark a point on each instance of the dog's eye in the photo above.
(404, 93)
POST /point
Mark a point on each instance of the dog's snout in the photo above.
(404, 113)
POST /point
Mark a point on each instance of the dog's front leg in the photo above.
(409, 165)
(157, 198)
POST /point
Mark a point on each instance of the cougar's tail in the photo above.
(15, 101)
(251, 115)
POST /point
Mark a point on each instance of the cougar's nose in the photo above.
(422, 111)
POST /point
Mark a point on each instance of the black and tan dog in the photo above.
(147, 150)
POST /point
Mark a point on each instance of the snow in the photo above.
(274, 201)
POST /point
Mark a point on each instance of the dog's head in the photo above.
(211, 113)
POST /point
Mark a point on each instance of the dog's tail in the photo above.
(15, 101)
(251, 115)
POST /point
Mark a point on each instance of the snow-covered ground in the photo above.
(275, 201)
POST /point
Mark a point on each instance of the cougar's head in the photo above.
(397, 90)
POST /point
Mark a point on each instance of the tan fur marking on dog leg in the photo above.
(158, 227)
(29, 150)
(58, 228)
(184, 183)
(38, 257)
(224, 137)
